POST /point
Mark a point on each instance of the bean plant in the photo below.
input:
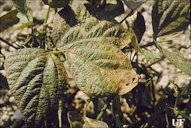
(85, 49)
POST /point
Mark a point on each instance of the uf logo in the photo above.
(179, 122)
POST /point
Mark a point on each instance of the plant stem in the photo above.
(117, 113)
(46, 18)
(6, 42)
(85, 108)
(147, 45)
(101, 112)
(60, 112)
(167, 122)
(157, 61)
(44, 28)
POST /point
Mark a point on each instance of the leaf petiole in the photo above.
(59, 51)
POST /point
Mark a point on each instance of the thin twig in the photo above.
(101, 112)
(148, 44)
(46, 18)
(6, 42)
(157, 61)
(44, 28)
(60, 112)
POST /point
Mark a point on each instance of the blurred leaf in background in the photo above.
(56, 3)
(133, 4)
(139, 26)
(177, 59)
(8, 20)
(170, 17)
(25, 13)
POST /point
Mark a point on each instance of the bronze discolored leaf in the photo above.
(92, 49)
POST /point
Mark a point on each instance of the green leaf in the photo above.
(22, 18)
(108, 10)
(25, 13)
(20, 5)
(178, 60)
(170, 17)
(139, 26)
(83, 24)
(92, 123)
(8, 20)
(150, 56)
(135, 44)
(36, 78)
(134, 39)
(92, 51)
(134, 4)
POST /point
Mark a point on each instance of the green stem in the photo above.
(157, 61)
(101, 112)
(44, 28)
(46, 18)
(58, 51)
(167, 122)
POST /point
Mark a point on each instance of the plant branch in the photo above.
(147, 45)
(46, 18)
(117, 113)
(101, 112)
(44, 28)
(6, 42)
(157, 61)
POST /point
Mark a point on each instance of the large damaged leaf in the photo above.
(36, 78)
(93, 54)
(78, 22)
(170, 17)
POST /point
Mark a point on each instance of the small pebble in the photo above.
(11, 99)
(11, 113)
(5, 117)
(9, 109)
(1, 102)
(4, 108)
(15, 107)
(18, 114)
